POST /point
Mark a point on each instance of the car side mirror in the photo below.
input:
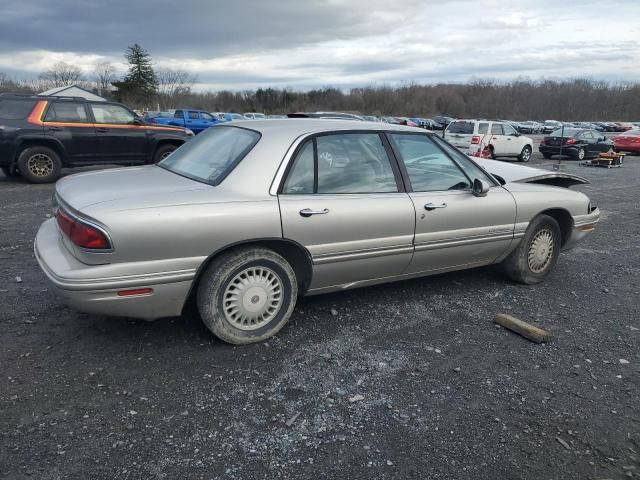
(138, 121)
(479, 188)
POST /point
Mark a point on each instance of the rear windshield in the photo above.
(16, 109)
(568, 132)
(460, 127)
(212, 155)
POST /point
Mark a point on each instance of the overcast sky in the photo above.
(237, 44)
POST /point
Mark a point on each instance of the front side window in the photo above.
(113, 114)
(212, 155)
(206, 116)
(472, 170)
(193, 115)
(428, 167)
(509, 130)
(72, 112)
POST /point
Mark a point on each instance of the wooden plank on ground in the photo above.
(524, 329)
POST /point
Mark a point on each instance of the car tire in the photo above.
(39, 164)
(580, 154)
(492, 153)
(163, 152)
(247, 295)
(546, 156)
(525, 155)
(537, 253)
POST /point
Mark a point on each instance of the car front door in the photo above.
(454, 228)
(512, 140)
(343, 201)
(69, 124)
(497, 139)
(120, 139)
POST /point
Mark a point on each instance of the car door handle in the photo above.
(102, 130)
(432, 206)
(55, 129)
(307, 212)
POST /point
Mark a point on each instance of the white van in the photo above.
(501, 139)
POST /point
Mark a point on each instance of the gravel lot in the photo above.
(408, 380)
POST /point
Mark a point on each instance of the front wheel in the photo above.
(538, 251)
(247, 295)
(525, 155)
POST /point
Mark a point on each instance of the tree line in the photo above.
(144, 86)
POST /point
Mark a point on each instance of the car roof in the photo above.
(295, 127)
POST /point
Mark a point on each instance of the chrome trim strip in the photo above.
(420, 247)
(360, 254)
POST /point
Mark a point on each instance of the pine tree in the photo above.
(140, 83)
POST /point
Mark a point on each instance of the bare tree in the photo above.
(62, 74)
(104, 74)
(173, 84)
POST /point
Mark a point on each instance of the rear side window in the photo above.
(483, 128)
(212, 155)
(72, 112)
(461, 127)
(301, 177)
(496, 129)
(178, 114)
(16, 109)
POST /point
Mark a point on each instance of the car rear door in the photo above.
(120, 139)
(454, 228)
(69, 124)
(343, 201)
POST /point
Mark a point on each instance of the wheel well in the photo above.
(162, 143)
(294, 253)
(41, 143)
(564, 219)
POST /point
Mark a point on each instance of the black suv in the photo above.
(40, 135)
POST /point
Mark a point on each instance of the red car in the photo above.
(628, 141)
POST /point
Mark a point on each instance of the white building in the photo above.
(73, 91)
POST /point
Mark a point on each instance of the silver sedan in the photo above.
(248, 216)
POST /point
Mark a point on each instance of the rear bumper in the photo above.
(85, 290)
(583, 225)
(570, 150)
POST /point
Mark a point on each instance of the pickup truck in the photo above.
(194, 120)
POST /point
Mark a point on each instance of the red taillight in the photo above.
(80, 233)
(475, 140)
(570, 141)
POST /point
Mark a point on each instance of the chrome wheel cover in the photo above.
(40, 165)
(540, 251)
(526, 154)
(581, 154)
(252, 298)
(166, 154)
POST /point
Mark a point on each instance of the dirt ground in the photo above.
(407, 380)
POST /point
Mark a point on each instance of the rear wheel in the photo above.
(538, 251)
(163, 152)
(247, 295)
(580, 153)
(492, 153)
(39, 164)
(525, 155)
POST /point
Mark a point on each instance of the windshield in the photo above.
(212, 155)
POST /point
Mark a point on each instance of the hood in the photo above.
(82, 190)
(509, 172)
